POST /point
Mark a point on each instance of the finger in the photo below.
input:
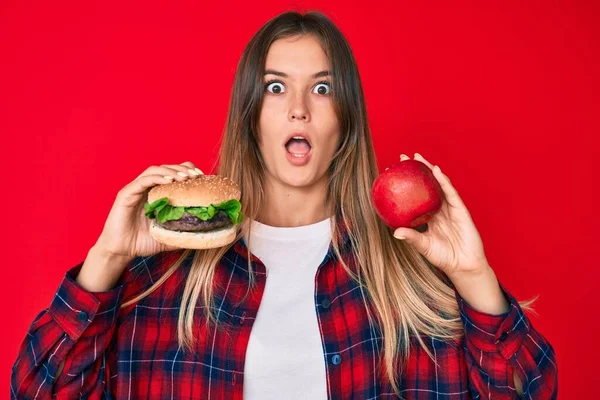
(189, 171)
(430, 165)
(165, 171)
(140, 185)
(192, 166)
(452, 196)
(404, 157)
(412, 237)
(423, 160)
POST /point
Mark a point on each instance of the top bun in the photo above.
(200, 191)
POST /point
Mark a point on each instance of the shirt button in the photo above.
(325, 303)
(336, 359)
(82, 316)
(503, 337)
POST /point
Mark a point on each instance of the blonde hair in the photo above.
(410, 296)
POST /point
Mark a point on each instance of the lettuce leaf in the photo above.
(163, 211)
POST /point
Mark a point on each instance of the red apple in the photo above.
(406, 194)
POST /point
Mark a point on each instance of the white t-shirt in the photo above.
(284, 358)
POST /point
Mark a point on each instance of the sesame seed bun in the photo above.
(197, 192)
(193, 240)
(200, 191)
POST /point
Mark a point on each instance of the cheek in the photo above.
(333, 132)
(267, 123)
(271, 107)
(333, 142)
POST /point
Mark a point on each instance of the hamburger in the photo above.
(198, 213)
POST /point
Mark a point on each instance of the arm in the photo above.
(506, 357)
(499, 339)
(73, 333)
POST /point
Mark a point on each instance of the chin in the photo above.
(301, 177)
(296, 180)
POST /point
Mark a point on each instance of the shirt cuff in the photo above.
(503, 333)
(77, 310)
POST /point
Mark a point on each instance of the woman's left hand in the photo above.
(451, 242)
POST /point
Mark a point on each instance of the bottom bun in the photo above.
(193, 240)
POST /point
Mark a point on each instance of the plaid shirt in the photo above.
(133, 353)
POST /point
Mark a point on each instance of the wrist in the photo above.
(481, 290)
(108, 258)
(101, 270)
(462, 279)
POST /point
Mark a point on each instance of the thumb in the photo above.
(412, 237)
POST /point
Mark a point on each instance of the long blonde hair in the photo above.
(411, 297)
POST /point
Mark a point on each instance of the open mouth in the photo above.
(298, 147)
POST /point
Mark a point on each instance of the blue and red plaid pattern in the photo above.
(133, 353)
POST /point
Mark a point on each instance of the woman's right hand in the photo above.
(126, 232)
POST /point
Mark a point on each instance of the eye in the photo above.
(276, 87)
(323, 88)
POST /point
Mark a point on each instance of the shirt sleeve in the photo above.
(497, 345)
(76, 328)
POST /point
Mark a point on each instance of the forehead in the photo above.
(297, 56)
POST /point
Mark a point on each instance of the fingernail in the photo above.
(438, 168)
(194, 173)
(168, 177)
(182, 174)
(399, 237)
(404, 156)
(199, 171)
(418, 155)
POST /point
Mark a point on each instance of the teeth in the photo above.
(298, 155)
(298, 137)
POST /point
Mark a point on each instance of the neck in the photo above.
(288, 206)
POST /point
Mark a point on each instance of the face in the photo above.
(297, 98)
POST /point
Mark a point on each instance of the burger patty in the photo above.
(191, 223)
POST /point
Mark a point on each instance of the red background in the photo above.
(503, 97)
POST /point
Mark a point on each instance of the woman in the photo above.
(348, 311)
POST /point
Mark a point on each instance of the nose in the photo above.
(298, 110)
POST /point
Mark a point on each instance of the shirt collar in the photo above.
(239, 250)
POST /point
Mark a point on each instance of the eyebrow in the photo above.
(283, 74)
